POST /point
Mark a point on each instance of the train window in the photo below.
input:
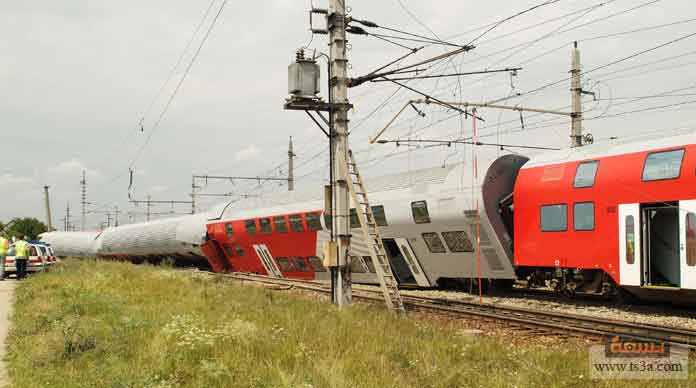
(691, 239)
(420, 212)
(284, 264)
(296, 223)
(240, 251)
(434, 243)
(458, 241)
(368, 263)
(380, 217)
(584, 216)
(300, 264)
(356, 265)
(228, 250)
(354, 221)
(585, 174)
(281, 224)
(663, 165)
(630, 240)
(251, 227)
(554, 218)
(265, 225)
(313, 221)
(228, 229)
(316, 264)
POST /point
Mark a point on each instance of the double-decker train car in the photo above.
(597, 217)
(426, 219)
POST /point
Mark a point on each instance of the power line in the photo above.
(178, 86)
(510, 18)
(634, 55)
(157, 95)
(653, 108)
(650, 28)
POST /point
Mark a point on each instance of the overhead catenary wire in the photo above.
(623, 59)
(178, 86)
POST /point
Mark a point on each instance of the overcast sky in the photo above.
(76, 77)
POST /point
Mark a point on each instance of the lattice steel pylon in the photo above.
(373, 239)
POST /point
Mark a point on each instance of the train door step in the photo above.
(664, 288)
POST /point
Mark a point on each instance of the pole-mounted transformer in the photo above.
(303, 78)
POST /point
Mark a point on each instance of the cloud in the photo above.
(14, 181)
(158, 189)
(248, 153)
(73, 167)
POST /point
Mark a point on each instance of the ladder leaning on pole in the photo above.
(373, 239)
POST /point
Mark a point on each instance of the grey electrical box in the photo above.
(303, 77)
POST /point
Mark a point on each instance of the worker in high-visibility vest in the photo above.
(4, 247)
(21, 256)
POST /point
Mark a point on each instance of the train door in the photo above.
(661, 244)
(401, 269)
(412, 262)
(687, 243)
(267, 261)
(629, 244)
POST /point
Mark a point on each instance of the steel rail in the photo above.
(563, 323)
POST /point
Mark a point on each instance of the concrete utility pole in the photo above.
(291, 167)
(83, 201)
(49, 221)
(576, 91)
(338, 69)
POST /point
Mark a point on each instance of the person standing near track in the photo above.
(21, 256)
(4, 246)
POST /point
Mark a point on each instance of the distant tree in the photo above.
(31, 228)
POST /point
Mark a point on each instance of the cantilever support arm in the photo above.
(375, 138)
(505, 107)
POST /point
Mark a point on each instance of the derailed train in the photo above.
(601, 219)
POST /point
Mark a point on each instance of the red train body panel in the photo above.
(618, 180)
(245, 245)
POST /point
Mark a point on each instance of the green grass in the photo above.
(102, 324)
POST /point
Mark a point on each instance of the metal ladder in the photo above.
(373, 239)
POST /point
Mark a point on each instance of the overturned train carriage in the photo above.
(72, 244)
(178, 239)
(427, 218)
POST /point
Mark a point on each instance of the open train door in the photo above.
(630, 248)
(687, 243)
(412, 262)
(267, 261)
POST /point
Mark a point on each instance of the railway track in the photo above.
(546, 321)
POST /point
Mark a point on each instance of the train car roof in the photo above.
(612, 148)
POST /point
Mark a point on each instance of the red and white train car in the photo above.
(426, 219)
(607, 215)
